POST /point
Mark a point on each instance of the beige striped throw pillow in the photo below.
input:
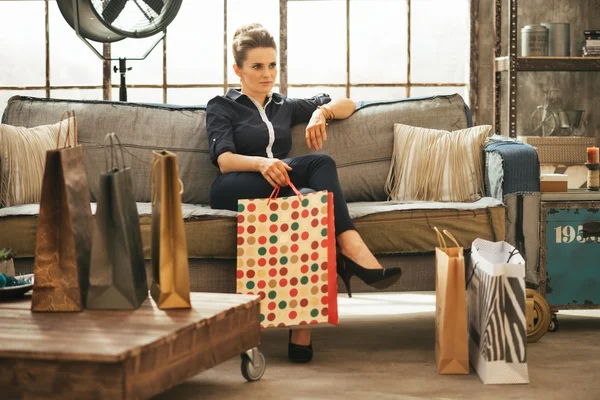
(22, 160)
(437, 165)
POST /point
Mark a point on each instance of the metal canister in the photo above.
(559, 39)
(534, 40)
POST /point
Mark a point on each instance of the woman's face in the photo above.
(259, 70)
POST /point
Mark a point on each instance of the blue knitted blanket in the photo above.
(519, 163)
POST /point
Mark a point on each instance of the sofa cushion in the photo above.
(362, 144)
(407, 227)
(386, 227)
(141, 128)
(206, 229)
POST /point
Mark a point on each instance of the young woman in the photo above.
(249, 133)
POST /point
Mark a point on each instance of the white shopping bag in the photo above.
(496, 313)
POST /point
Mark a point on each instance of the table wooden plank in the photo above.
(41, 379)
(81, 355)
(70, 336)
(192, 353)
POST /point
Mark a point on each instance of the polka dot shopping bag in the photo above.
(286, 255)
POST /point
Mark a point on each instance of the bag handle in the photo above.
(451, 236)
(113, 158)
(442, 241)
(154, 189)
(472, 274)
(155, 162)
(67, 142)
(275, 192)
(512, 253)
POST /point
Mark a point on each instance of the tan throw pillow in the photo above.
(437, 165)
(23, 156)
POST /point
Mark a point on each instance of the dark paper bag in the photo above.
(170, 269)
(451, 336)
(63, 241)
(117, 277)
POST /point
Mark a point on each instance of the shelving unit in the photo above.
(550, 64)
(509, 66)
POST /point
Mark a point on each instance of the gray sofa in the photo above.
(400, 234)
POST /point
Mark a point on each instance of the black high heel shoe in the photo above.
(377, 278)
(299, 353)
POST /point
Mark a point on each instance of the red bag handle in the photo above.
(275, 192)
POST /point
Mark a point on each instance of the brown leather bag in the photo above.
(170, 269)
(64, 237)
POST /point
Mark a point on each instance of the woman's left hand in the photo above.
(316, 133)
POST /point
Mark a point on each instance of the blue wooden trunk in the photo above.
(570, 259)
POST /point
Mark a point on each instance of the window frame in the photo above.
(107, 85)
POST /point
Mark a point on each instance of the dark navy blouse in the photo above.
(238, 123)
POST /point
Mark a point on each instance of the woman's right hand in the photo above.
(274, 171)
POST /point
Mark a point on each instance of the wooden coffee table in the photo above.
(124, 354)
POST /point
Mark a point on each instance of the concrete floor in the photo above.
(384, 349)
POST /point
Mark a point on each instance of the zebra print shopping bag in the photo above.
(496, 308)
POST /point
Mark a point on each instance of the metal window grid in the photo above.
(283, 74)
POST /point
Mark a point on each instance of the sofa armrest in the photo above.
(511, 166)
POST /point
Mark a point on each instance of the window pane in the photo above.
(23, 55)
(192, 96)
(378, 41)
(436, 91)
(7, 94)
(76, 94)
(317, 55)
(440, 41)
(377, 93)
(306, 92)
(71, 61)
(140, 95)
(195, 43)
(143, 72)
(242, 12)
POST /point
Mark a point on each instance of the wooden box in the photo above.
(553, 183)
(570, 150)
(570, 247)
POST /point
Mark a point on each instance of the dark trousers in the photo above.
(314, 171)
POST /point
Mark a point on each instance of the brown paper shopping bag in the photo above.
(170, 270)
(64, 236)
(451, 338)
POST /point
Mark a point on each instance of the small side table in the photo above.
(570, 250)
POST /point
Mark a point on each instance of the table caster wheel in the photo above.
(541, 316)
(553, 324)
(253, 365)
